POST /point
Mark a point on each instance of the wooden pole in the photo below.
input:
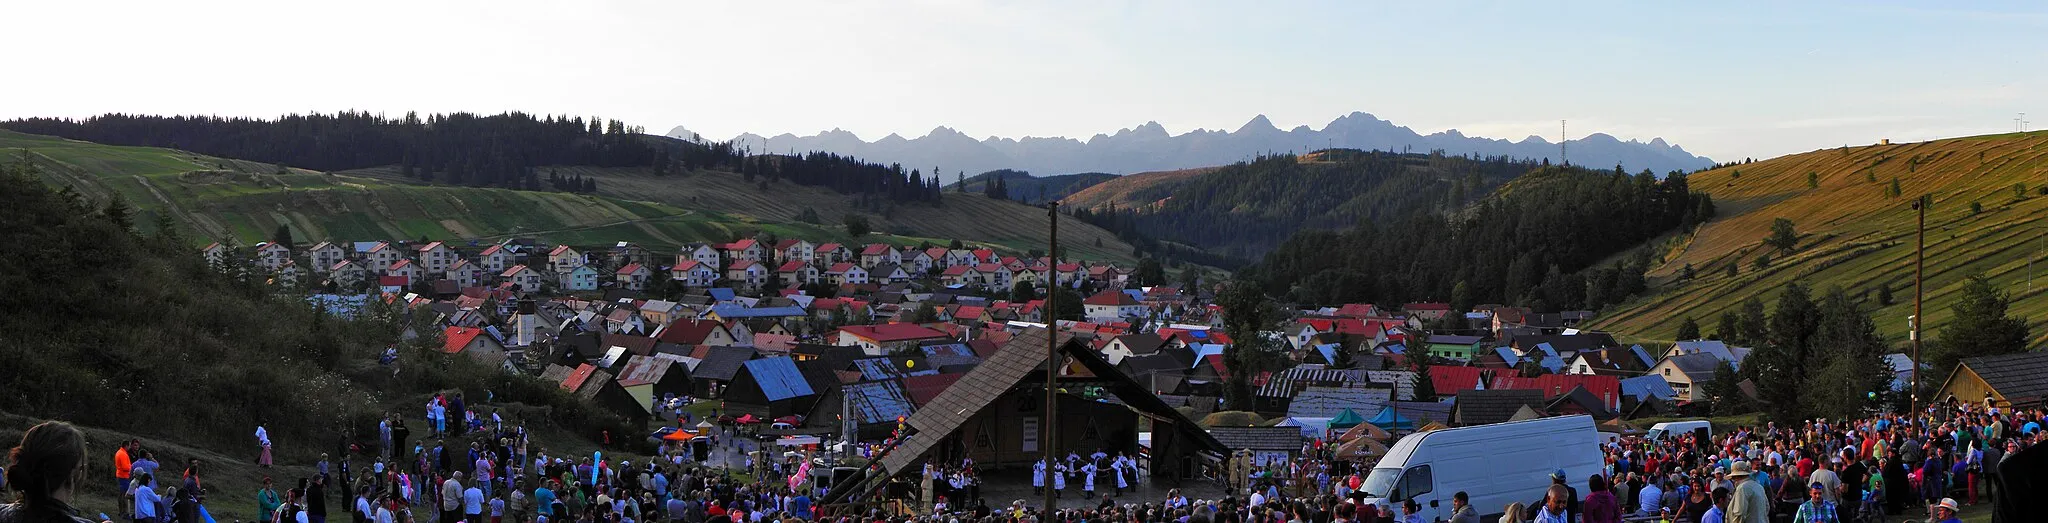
(1919, 265)
(1052, 360)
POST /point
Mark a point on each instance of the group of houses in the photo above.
(748, 265)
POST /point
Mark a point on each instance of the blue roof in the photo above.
(731, 311)
(943, 354)
(879, 401)
(1395, 348)
(721, 293)
(883, 368)
(361, 247)
(779, 378)
(1329, 351)
(1642, 355)
(1642, 387)
(1508, 355)
(1135, 294)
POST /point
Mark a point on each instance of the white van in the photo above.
(1670, 429)
(1493, 464)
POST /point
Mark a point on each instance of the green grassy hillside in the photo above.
(217, 198)
(1852, 234)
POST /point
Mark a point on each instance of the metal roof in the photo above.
(779, 378)
(879, 401)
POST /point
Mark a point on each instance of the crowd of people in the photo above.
(1932, 463)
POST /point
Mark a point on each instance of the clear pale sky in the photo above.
(1719, 78)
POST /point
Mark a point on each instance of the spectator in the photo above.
(1599, 506)
(1817, 508)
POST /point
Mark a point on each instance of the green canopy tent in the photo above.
(1347, 419)
(1390, 420)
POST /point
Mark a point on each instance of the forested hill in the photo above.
(1537, 241)
(1022, 186)
(1246, 209)
(505, 150)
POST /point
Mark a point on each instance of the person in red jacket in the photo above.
(1599, 505)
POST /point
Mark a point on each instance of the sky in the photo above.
(1724, 79)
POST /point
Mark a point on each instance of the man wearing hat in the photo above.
(1749, 504)
(1945, 512)
(1571, 509)
(1817, 508)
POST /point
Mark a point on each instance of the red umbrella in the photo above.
(792, 420)
(747, 420)
(679, 436)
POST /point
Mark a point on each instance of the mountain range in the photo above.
(1150, 147)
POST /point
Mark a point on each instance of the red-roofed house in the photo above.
(1430, 311)
(745, 249)
(878, 340)
(960, 275)
(408, 270)
(1112, 304)
(1450, 380)
(473, 341)
(830, 253)
(464, 273)
(634, 276)
(694, 274)
(747, 273)
(437, 257)
(564, 259)
(797, 272)
(924, 260)
(879, 253)
(994, 275)
(985, 256)
(1069, 272)
(797, 250)
(575, 379)
(1607, 388)
(380, 257)
(325, 255)
(494, 259)
(525, 277)
(1358, 310)
(845, 273)
(696, 332)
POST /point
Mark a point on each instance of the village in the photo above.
(868, 344)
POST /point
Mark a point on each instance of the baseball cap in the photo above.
(1557, 475)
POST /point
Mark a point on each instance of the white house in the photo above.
(525, 277)
(702, 254)
(1111, 305)
(273, 256)
(845, 273)
(325, 255)
(381, 256)
(437, 257)
(563, 259)
(694, 273)
(634, 276)
(494, 259)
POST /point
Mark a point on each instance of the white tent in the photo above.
(1318, 428)
(791, 441)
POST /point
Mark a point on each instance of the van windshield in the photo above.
(1380, 482)
(1656, 434)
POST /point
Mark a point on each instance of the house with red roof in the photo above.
(527, 279)
(634, 276)
(879, 253)
(1449, 380)
(994, 275)
(879, 340)
(1069, 272)
(1427, 311)
(846, 273)
(694, 274)
(347, 273)
(381, 256)
(796, 250)
(464, 273)
(215, 253)
(689, 332)
(325, 255)
(746, 273)
(472, 341)
(704, 254)
(1112, 304)
(1607, 388)
(827, 254)
(923, 261)
(564, 259)
(960, 275)
(745, 249)
(984, 256)
(437, 257)
(408, 270)
(798, 272)
(494, 259)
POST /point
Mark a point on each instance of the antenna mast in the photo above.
(1562, 156)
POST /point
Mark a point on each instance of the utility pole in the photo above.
(1562, 156)
(1052, 359)
(1919, 265)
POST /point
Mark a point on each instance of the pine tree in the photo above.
(1688, 330)
(282, 235)
(120, 213)
(1981, 327)
(1849, 371)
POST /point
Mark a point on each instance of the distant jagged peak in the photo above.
(838, 133)
(1258, 123)
(1534, 139)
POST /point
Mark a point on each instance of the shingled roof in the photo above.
(1006, 369)
(2019, 378)
(1480, 407)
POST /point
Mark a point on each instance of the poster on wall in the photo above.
(1030, 435)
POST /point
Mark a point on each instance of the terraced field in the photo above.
(970, 217)
(217, 198)
(1852, 234)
